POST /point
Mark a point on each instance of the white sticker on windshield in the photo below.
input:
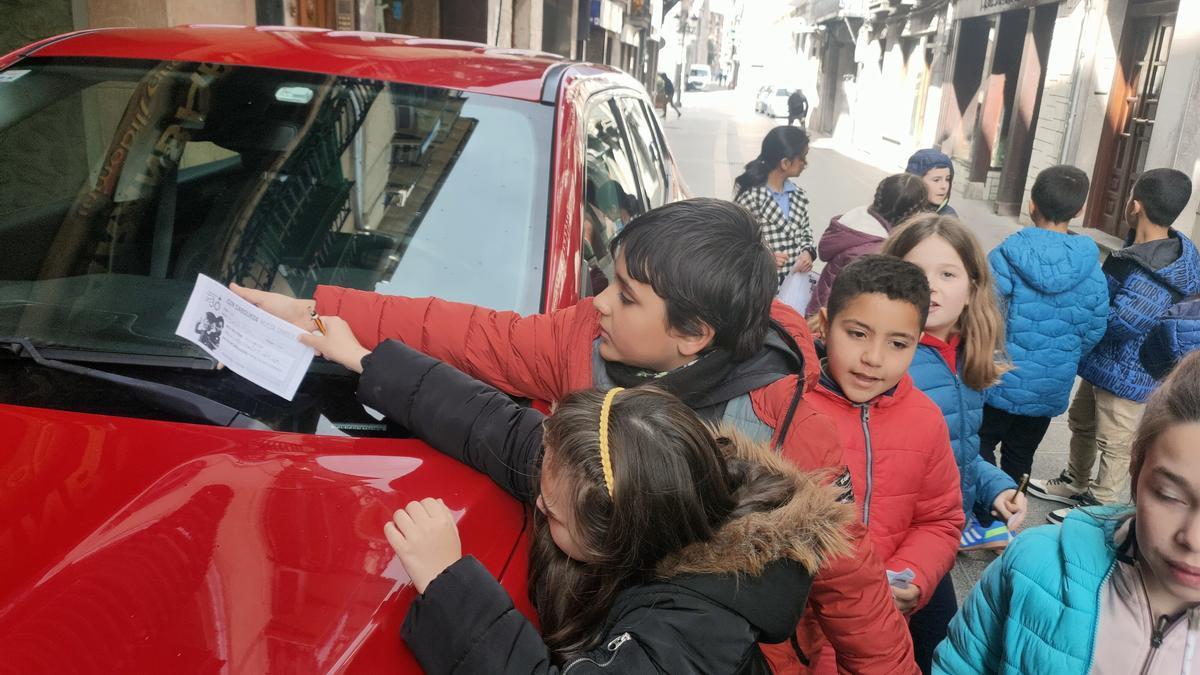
(12, 75)
(293, 95)
(251, 342)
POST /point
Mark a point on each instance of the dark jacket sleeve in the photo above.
(459, 416)
(465, 623)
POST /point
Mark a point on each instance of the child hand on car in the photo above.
(425, 538)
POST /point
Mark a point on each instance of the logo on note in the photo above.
(209, 330)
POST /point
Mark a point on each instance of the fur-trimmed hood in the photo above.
(759, 566)
(808, 529)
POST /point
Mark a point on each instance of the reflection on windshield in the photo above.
(130, 178)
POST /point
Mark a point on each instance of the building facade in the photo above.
(619, 33)
(1010, 87)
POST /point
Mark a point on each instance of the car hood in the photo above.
(132, 545)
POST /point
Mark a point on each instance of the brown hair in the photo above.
(981, 324)
(899, 197)
(1176, 401)
(672, 486)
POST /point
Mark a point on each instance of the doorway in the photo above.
(1132, 107)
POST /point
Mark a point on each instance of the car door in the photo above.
(647, 151)
(612, 194)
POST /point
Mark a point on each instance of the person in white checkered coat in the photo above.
(780, 206)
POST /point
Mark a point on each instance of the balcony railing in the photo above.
(824, 10)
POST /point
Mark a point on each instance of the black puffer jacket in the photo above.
(713, 602)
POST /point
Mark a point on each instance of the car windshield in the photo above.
(121, 181)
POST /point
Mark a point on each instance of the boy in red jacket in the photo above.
(690, 310)
(893, 437)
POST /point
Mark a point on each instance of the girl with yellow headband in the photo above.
(660, 544)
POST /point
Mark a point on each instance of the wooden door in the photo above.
(1132, 107)
(313, 13)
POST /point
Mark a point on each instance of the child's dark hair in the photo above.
(899, 197)
(1059, 192)
(705, 258)
(1176, 401)
(893, 277)
(779, 144)
(1163, 193)
(672, 486)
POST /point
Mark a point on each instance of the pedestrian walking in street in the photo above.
(690, 311)
(797, 104)
(781, 207)
(668, 88)
(1114, 589)
(955, 362)
(894, 438)
(1158, 267)
(660, 545)
(862, 230)
(937, 170)
(1055, 302)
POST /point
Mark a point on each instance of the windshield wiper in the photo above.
(173, 399)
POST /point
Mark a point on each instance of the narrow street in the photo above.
(720, 131)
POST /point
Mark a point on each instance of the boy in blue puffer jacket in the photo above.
(1157, 268)
(1055, 302)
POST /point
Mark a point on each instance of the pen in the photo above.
(320, 324)
(1021, 487)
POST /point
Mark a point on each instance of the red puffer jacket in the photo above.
(547, 356)
(904, 475)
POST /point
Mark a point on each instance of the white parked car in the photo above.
(699, 77)
(760, 98)
(774, 101)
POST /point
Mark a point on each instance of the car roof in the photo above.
(453, 64)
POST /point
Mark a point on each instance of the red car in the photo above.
(161, 515)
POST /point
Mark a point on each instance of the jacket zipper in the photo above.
(1158, 628)
(866, 418)
(613, 645)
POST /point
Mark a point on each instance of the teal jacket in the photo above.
(1036, 608)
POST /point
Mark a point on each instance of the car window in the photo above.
(137, 176)
(646, 151)
(122, 180)
(611, 196)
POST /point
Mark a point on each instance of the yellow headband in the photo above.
(605, 459)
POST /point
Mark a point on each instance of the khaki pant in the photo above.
(1103, 424)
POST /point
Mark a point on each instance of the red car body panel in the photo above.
(131, 545)
(143, 546)
(438, 63)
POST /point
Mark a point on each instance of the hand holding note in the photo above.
(248, 340)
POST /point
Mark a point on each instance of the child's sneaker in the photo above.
(1061, 490)
(1058, 515)
(976, 536)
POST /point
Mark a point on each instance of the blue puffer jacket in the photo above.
(962, 407)
(1055, 303)
(1035, 609)
(1176, 334)
(1143, 281)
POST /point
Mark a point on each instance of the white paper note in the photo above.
(249, 341)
